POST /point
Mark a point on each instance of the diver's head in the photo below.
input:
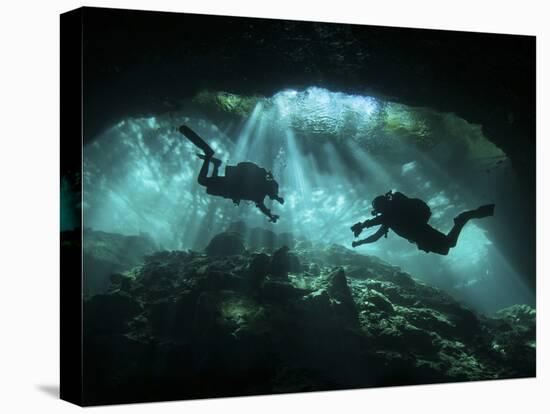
(379, 205)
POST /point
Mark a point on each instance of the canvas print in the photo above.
(258, 206)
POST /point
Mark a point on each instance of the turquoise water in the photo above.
(331, 153)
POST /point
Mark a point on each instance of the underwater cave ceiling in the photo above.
(139, 67)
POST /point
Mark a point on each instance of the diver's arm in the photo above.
(373, 222)
(372, 238)
(357, 228)
(272, 217)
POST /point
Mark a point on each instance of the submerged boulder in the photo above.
(258, 269)
(337, 287)
(226, 244)
(281, 290)
(283, 262)
(256, 238)
(332, 301)
(379, 301)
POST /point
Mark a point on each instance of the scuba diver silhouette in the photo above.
(408, 217)
(244, 181)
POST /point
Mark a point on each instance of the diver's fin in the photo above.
(480, 212)
(484, 211)
(195, 139)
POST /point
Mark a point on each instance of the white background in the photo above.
(29, 219)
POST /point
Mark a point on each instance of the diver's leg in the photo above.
(452, 236)
(217, 164)
(359, 242)
(463, 218)
(480, 212)
(431, 240)
(203, 173)
(215, 161)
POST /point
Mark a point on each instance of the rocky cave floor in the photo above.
(244, 321)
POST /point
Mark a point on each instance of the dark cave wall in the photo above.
(137, 63)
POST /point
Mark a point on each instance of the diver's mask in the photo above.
(380, 202)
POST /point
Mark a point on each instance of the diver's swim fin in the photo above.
(480, 212)
(195, 139)
(484, 211)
